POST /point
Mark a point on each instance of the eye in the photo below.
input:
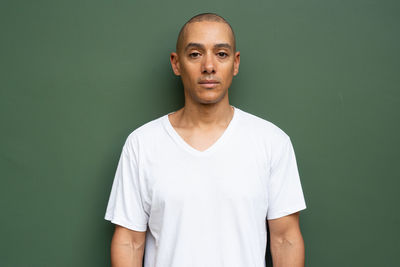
(194, 54)
(222, 54)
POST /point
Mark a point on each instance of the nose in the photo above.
(208, 64)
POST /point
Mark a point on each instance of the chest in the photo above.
(187, 182)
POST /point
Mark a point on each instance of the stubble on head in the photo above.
(209, 17)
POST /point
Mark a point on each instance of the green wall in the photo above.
(78, 76)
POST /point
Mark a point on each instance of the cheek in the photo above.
(189, 73)
(188, 80)
(228, 72)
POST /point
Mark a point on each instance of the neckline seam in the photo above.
(184, 145)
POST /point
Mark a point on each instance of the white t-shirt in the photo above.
(205, 208)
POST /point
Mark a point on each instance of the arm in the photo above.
(287, 245)
(127, 247)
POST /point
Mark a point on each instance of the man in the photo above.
(196, 187)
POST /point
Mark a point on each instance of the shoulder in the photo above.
(149, 129)
(262, 128)
(147, 133)
(267, 136)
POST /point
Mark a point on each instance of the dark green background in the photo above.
(78, 76)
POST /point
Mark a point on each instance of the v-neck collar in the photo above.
(182, 143)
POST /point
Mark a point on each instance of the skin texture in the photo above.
(287, 245)
(208, 54)
(127, 247)
(200, 18)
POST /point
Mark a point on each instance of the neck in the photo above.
(207, 115)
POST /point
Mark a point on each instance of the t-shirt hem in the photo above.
(279, 214)
(125, 223)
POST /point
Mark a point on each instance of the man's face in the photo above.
(206, 61)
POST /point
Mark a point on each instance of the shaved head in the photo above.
(210, 17)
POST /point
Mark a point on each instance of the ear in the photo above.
(236, 63)
(175, 63)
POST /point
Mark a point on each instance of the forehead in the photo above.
(207, 32)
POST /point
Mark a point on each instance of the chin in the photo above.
(208, 102)
(210, 99)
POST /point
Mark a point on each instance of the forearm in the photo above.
(287, 251)
(126, 254)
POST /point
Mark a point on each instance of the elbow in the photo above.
(138, 245)
(135, 245)
(282, 241)
(286, 240)
(127, 238)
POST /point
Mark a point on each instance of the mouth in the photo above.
(209, 83)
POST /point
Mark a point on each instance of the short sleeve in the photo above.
(125, 206)
(285, 194)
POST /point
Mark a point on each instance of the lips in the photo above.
(208, 82)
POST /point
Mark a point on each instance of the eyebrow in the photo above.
(201, 46)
